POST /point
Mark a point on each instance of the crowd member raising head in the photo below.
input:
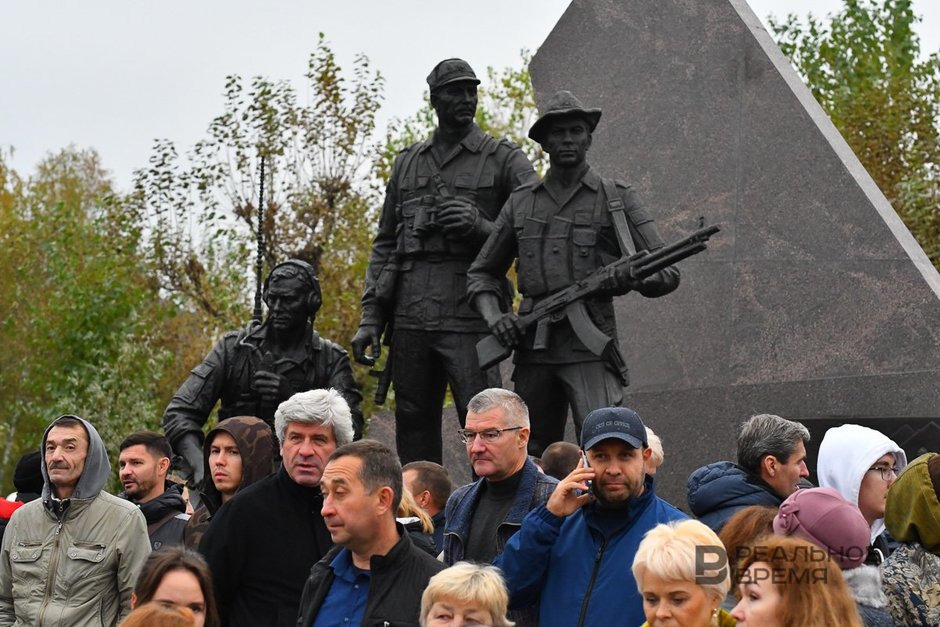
(912, 573)
(823, 517)
(861, 464)
(789, 582)
(675, 590)
(179, 577)
(740, 532)
(465, 594)
(657, 456)
(159, 615)
(771, 465)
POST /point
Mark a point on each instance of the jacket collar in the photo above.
(472, 141)
(589, 178)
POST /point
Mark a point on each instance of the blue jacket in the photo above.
(717, 491)
(534, 489)
(581, 576)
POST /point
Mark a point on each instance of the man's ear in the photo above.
(386, 496)
(423, 499)
(769, 466)
(163, 465)
(133, 600)
(647, 453)
(589, 141)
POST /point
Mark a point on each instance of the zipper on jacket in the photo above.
(53, 565)
(590, 588)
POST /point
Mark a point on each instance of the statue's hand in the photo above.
(619, 280)
(457, 216)
(189, 450)
(506, 329)
(367, 336)
(272, 387)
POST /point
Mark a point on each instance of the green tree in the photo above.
(866, 69)
(320, 201)
(79, 316)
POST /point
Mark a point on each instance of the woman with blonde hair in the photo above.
(676, 589)
(465, 594)
(416, 522)
(788, 582)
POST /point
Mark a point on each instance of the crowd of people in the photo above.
(339, 532)
(291, 518)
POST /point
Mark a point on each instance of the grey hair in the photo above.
(767, 434)
(318, 407)
(514, 408)
(656, 444)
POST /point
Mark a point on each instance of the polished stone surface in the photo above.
(814, 302)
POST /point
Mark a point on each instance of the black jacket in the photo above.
(397, 581)
(260, 546)
(166, 516)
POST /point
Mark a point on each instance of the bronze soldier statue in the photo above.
(253, 370)
(440, 203)
(561, 230)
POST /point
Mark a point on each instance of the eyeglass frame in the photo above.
(894, 470)
(468, 437)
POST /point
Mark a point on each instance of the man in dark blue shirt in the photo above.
(375, 573)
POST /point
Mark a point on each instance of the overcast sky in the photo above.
(116, 74)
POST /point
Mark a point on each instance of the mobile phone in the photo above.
(587, 464)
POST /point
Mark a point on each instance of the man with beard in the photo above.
(142, 467)
(573, 554)
(440, 204)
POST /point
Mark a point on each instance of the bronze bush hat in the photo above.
(561, 104)
(450, 71)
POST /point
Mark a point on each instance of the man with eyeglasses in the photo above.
(482, 516)
(862, 464)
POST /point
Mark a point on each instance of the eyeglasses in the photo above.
(489, 435)
(886, 472)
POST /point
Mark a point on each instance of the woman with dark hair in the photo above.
(180, 577)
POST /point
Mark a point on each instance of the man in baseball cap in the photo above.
(572, 553)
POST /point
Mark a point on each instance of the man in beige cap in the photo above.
(440, 204)
(559, 231)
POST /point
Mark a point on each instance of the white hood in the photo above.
(845, 455)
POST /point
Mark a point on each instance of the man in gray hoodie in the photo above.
(71, 557)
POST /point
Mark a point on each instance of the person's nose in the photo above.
(804, 471)
(476, 444)
(327, 509)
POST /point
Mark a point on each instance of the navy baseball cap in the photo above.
(613, 422)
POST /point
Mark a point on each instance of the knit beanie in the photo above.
(27, 478)
(823, 517)
(912, 513)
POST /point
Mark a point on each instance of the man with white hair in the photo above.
(262, 542)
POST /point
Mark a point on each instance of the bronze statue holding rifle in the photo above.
(578, 240)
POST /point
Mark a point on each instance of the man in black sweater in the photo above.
(261, 543)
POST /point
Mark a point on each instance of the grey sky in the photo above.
(116, 74)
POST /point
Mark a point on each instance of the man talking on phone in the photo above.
(573, 554)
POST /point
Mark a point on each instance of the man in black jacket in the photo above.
(142, 467)
(375, 575)
(262, 541)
